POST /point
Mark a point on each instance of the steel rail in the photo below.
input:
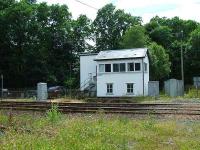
(125, 108)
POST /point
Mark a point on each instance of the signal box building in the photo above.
(115, 73)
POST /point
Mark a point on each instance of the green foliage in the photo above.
(38, 42)
(167, 32)
(109, 26)
(159, 62)
(134, 38)
(193, 93)
(193, 54)
(53, 115)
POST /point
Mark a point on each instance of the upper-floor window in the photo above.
(101, 67)
(120, 67)
(107, 67)
(145, 66)
(130, 66)
(115, 67)
(137, 66)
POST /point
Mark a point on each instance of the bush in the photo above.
(193, 93)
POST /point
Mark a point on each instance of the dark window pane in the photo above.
(107, 67)
(137, 66)
(122, 67)
(115, 67)
(109, 88)
(130, 66)
(129, 87)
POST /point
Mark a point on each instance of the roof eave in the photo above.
(119, 58)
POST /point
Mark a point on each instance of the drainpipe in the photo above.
(143, 76)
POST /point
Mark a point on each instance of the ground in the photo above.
(96, 131)
(52, 130)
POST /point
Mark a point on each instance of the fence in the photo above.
(32, 93)
(16, 93)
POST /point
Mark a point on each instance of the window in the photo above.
(109, 88)
(101, 68)
(130, 88)
(145, 66)
(122, 67)
(115, 67)
(107, 67)
(137, 67)
(130, 66)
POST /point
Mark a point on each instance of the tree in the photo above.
(192, 56)
(167, 32)
(134, 38)
(39, 42)
(159, 62)
(81, 33)
(109, 26)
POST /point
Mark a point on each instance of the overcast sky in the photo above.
(185, 9)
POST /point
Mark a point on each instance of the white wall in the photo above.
(146, 76)
(119, 80)
(87, 67)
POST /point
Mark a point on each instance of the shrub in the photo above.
(193, 93)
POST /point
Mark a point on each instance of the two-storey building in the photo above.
(115, 73)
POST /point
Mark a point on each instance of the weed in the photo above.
(53, 115)
(193, 93)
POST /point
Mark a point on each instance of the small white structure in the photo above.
(42, 91)
(115, 73)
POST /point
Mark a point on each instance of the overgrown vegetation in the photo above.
(40, 42)
(98, 131)
(193, 93)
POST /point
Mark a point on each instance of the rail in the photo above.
(122, 108)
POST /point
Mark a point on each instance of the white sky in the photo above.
(185, 9)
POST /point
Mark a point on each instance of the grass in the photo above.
(96, 132)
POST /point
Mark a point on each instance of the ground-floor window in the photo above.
(130, 88)
(109, 88)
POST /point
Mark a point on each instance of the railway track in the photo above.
(122, 108)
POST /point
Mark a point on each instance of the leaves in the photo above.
(134, 38)
(159, 62)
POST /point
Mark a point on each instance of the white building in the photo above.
(115, 73)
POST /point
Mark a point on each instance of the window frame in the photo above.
(117, 66)
(109, 88)
(130, 88)
(120, 67)
(145, 66)
(110, 67)
(102, 68)
(128, 68)
(135, 66)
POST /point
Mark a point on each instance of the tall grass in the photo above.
(94, 132)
